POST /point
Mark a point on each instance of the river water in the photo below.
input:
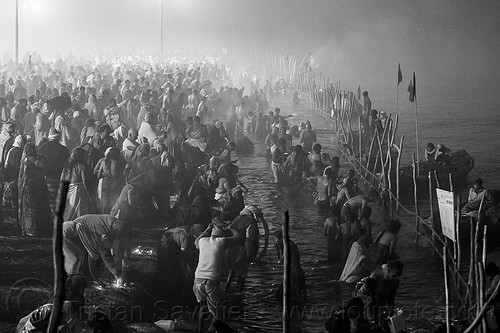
(421, 291)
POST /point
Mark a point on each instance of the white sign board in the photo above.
(446, 203)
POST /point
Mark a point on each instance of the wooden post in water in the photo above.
(437, 179)
(485, 230)
(481, 288)
(470, 280)
(57, 250)
(434, 240)
(446, 288)
(360, 141)
(286, 273)
(398, 161)
(476, 270)
(457, 238)
(417, 221)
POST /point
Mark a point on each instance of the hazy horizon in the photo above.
(358, 42)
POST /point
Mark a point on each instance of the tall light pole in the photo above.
(161, 29)
(17, 32)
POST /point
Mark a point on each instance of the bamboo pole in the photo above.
(480, 269)
(369, 158)
(416, 114)
(431, 205)
(286, 274)
(480, 291)
(485, 230)
(472, 327)
(470, 281)
(398, 162)
(437, 179)
(389, 179)
(417, 224)
(57, 250)
(360, 140)
(446, 289)
(383, 173)
(476, 260)
(457, 236)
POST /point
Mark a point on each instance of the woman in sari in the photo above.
(357, 265)
(35, 216)
(109, 171)
(76, 172)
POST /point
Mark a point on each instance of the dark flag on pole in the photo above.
(412, 89)
(400, 75)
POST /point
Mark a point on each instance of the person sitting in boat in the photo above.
(385, 245)
(477, 193)
(430, 152)
(358, 264)
(443, 156)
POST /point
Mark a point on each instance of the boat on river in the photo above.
(461, 165)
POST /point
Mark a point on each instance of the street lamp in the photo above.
(17, 32)
(161, 29)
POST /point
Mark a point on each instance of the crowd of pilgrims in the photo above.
(129, 137)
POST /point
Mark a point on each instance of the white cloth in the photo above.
(147, 131)
(355, 257)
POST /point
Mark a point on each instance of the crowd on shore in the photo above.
(131, 135)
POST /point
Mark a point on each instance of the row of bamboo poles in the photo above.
(377, 159)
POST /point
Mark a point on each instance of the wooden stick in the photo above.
(480, 301)
(417, 224)
(286, 274)
(389, 179)
(431, 205)
(470, 281)
(384, 175)
(57, 250)
(446, 289)
(476, 257)
(472, 327)
(437, 179)
(457, 235)
(485, 230)
(398, 162)
(360, 140)
(451, 182)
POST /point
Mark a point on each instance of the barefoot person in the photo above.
(212, 244)
(93, 236)
(239, 257)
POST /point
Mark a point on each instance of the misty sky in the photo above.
(355, 41)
